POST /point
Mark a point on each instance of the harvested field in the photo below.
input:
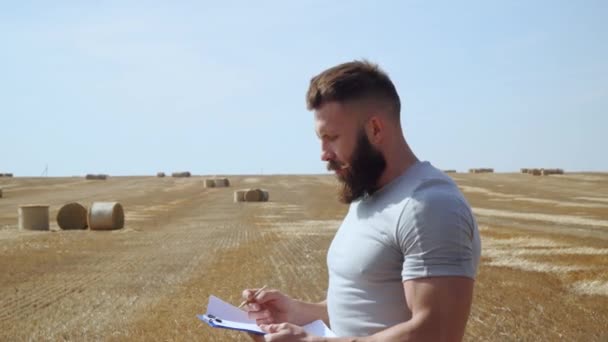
(542, 277)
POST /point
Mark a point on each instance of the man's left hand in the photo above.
(287, 332)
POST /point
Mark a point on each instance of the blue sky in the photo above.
(132, 88)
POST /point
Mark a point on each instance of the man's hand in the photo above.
(286, 332)
(271, 306)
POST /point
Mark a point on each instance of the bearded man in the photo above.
(403, 262)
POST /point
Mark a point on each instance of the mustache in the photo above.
(333, 165)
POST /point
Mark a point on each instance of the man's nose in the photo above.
(327, 155)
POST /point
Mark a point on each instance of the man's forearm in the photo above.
(308, 312)
(401, 332)
(416, 329)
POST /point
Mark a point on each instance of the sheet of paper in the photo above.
(225, 315)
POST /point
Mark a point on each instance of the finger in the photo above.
(259, 314)
(268, 320)
(248, 294)
(267, 296)
(284, 326)
(269, 328)
(253, 307)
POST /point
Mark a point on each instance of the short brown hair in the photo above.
(353, 81)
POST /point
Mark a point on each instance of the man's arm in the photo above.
(273, 306)
(310, 312)
(440, 309)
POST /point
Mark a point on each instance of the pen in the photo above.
(254, 295)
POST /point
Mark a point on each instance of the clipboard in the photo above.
(227, 316)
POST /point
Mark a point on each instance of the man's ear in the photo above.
(375, 130)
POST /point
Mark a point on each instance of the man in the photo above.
(403, 262)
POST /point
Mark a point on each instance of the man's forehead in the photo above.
(329, 117)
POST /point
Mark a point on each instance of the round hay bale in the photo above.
(72, 216)
(239, 196)
(209, 183)
(265, 196)
(34, 217)
(253, 195)
(0, 193)
(536, 172)
(96, 177)
(181, 174)
(106, 216)
(160, 174)
(221, 182)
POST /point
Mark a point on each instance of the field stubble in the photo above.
(542, 276)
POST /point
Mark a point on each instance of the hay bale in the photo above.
(181, 174)
(547, 172)
(160, 174)
(266, 196)
(34, 217)
(72, 216)
(209, 183)
(481, 170)
(221, 182)
(254, 195)
(106, 216)
(239, 196)
(524, 170)
(536, 172)
(6, 175)
(0, 193)
(449, 171)
(96, 177)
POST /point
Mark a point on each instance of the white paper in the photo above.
(234, 318)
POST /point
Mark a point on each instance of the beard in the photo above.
(362, 174)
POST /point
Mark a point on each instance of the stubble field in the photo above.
(543, 276)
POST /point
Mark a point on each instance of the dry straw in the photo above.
(106, 216)
(72, 216)
(34, 217)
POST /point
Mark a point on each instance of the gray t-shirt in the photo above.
(419, 225)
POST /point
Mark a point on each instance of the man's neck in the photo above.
(398, 161)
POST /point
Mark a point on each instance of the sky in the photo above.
(217, 87)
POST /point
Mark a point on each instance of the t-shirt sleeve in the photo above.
(436, 234)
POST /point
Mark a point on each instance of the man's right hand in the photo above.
(271, 306)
